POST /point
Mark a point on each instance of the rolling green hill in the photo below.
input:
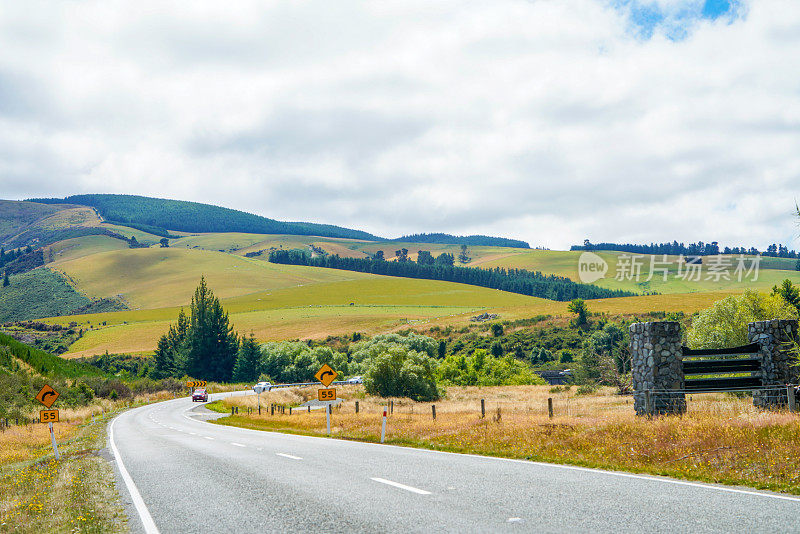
(165, 214)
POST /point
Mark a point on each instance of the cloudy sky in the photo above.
(545, 120)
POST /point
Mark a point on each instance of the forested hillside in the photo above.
(532, 283)
(470, 240)
(157, 215)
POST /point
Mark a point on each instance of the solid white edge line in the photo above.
(144, 514)
(290, 456)
(597, 471)
(401, 486)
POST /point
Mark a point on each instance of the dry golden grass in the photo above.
(74, 494)
(721, 438)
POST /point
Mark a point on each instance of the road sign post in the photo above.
(53, 439)
(328, 417)
(48, 396)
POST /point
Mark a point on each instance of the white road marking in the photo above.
(596, 471)
(514, 519)
(291, 457)
(193, 433)
(401, 486)
(238, 444)
(144, 514)
(208, 437)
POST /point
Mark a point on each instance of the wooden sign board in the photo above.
(48, 416)
(47, 395)
(326, 394)
(326, 375)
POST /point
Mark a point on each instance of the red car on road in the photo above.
(200, 394)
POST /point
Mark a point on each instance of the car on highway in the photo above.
(200, 394)
(355, 380)
(262, 386)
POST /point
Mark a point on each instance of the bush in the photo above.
(481, 369)
(725, 323)
(397, 371)
(586, 389)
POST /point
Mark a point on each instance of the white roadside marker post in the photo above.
(53, 439)
(328, 417)
(383, 426)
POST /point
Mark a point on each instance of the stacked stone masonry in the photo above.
(775, 339)
(657, 368)
(657, 364)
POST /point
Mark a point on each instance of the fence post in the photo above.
(272, 409)
(391, 406)
(309, 408)
(483, 409)
(433, 411)
(232, 410)
(290, 410)
(550, 407)
(648, 407)
(790, 399)
(356, 406)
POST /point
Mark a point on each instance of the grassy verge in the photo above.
(721, 439)
(74, 494)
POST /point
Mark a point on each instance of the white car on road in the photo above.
(262, 386)
(355, 380)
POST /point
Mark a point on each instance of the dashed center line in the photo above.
(237, 444)
(290, 456)
(401, 486)
(208, 437)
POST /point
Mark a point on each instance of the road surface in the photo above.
(181, 474)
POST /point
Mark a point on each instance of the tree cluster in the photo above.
(522, 281)
(692, 249)
(471, 240)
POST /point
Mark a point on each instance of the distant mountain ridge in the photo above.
(159, 215)
(165, 214)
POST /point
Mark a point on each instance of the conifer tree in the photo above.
(248, 361)
(211, 343)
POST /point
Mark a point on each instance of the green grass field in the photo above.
(287, 301)
(71, 249)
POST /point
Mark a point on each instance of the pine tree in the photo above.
(248, 361)
(169, 358)
(6, 281)
(211, 343)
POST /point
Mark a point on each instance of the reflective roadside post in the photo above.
(383, 425)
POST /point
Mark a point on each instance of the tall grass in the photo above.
(720, 439)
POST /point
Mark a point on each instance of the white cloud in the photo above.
(545, 121)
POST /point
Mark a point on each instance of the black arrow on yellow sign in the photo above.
(47, 395)
(326, 375)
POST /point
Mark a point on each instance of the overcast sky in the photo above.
(549, 121)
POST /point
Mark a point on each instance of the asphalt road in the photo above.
(192, 476)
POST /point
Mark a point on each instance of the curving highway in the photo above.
(179, 473)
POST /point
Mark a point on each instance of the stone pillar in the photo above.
(657, 368)
(777, 369)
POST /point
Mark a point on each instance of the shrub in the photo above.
(725, 323)
(586, 389)
(397, 371)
